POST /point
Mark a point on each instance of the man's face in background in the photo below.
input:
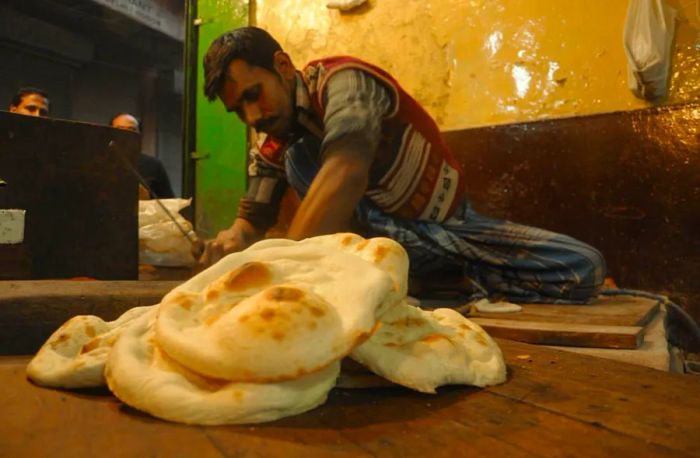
(126, 122)
(32, 105)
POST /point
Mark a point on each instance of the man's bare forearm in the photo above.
(331, 200)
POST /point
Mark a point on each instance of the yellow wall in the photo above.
(482, 62)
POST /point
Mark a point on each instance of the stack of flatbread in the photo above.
(260, 336)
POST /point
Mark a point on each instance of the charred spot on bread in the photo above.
(212, 319)
(433, 338)
(317, 311)
(284, 293)
(380, 253)
(185, 303)
(267, 314)
(91, 345)
(59, 340)
(278, 336)
(249, 275)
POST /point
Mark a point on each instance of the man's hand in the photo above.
(143, 193)
(213, 250)
(236, 238)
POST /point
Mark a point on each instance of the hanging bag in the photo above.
(648, 36)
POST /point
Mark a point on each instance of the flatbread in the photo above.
(382, 252)
(274, 312)
(485, 306)
(143, 376)
(259, 336)
(423, 350)
(74, 355)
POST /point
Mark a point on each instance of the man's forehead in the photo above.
(241, 73)
(126, 117)
(35, 98)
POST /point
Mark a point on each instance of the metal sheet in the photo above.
(81, 201)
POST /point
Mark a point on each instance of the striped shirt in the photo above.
(413, 173)
(356, 104)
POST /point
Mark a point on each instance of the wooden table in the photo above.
(554, 404)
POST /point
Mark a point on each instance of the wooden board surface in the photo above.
(31, 310)
(80, 198)
(553, 404)
(606, 311)
(566, 334)
(610, 322)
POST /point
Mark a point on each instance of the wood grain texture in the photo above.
(31, 310)
(610, 322)
(565, 334)
(605, 311)
(80, 198)
(624, 182)
(553, 404)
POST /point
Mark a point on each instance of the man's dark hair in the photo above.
(124, 113)
(24, 91)
(253, 45)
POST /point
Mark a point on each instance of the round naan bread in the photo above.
(423, 350)
(143, 376)
(381, 252)
(74, 355)
(279, 309)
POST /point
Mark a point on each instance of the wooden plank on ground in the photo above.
(553, 404)
(566, 334)
(643, 403)
(31, 310)
(44, 423)
(605, 311)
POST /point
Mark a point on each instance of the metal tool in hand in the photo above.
(188, 235)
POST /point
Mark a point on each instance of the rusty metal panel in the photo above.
(628, 183)
(81, 201)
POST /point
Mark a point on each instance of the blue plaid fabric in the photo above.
(522, 263)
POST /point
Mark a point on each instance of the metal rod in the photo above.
(130, 167)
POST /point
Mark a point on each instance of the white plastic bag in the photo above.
(649, 30)
(160, 241)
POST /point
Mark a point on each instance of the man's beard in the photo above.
(273, 126)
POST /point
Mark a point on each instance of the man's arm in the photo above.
(334, 193)
(238, 237)
(355, 106)
(257, 212)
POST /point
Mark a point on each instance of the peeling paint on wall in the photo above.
(483, 62)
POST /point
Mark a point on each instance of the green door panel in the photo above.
(220, 156)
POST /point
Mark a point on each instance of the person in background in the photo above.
(150, 168)
(30, 101)
(365, 157)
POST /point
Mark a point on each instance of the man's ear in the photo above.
(283, 64)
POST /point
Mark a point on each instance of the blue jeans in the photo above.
(522, 263)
